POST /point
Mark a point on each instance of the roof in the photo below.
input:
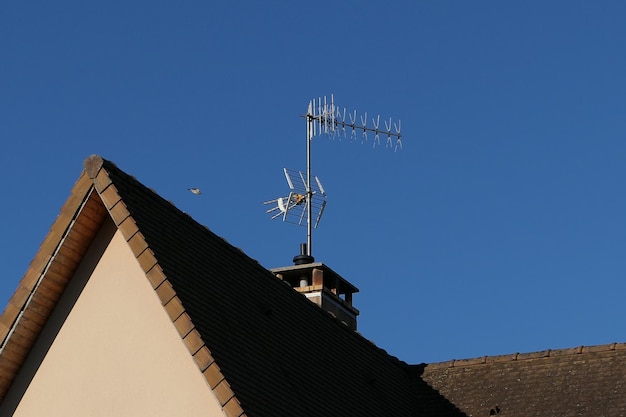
(263, 348)
(582, 381)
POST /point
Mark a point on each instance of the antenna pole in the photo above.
(309, 194)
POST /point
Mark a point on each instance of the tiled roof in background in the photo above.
(583, 381)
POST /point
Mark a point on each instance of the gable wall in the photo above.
(110, 348)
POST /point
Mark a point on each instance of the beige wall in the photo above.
(111, 349)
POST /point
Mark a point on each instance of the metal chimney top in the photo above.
(303, 258)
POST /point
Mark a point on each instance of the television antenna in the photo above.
(306, 197)
(293, 207)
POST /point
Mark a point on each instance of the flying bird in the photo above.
(196, 191)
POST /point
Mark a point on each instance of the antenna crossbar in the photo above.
(324, 117)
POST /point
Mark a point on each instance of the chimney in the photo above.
(322, 286)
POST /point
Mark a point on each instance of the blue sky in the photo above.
(498, 228)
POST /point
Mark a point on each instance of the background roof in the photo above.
(499, 226)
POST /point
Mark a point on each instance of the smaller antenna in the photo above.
(293, 207)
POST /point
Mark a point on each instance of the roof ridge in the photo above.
(548, 353)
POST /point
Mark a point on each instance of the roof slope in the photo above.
(584, 381)
(280, 354)
(264, 349)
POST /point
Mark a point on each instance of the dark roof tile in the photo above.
(279, 353)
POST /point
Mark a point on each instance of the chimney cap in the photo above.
(295, 271)
(303, 259)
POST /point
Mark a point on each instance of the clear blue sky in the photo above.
(499, 227)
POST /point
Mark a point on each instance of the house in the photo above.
(130, 307)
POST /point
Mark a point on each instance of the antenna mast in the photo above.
(323, 117)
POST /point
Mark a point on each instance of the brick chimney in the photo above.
(324, 287)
